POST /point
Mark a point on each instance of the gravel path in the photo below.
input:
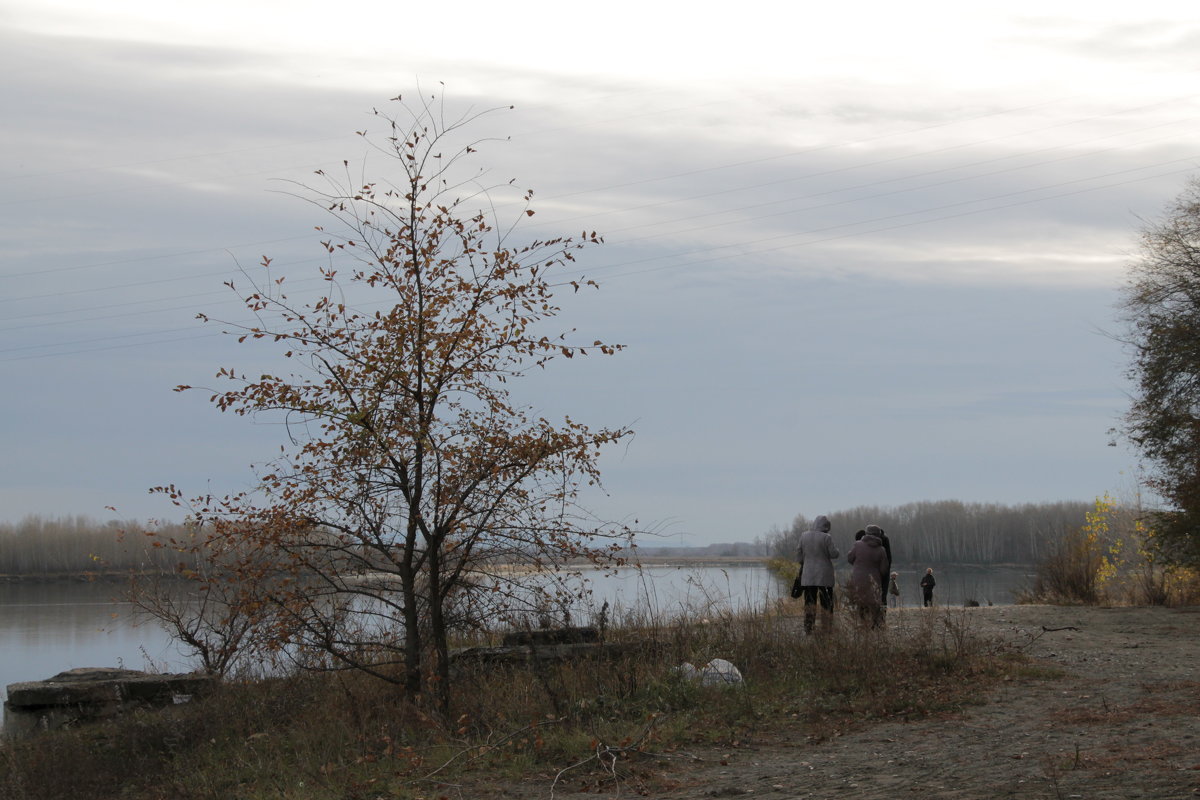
(1123, 723)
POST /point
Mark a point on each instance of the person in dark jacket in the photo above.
(927, 584)
(877, 531)
(816, 554)
(868, 578)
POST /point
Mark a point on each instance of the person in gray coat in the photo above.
(816, 554)
(869, 577)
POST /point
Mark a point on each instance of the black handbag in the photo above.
(797, 590)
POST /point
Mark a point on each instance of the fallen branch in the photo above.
(481, 750)
(607, 755)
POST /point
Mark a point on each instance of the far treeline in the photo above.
(934, 532)
(79, 546)
(949, 531)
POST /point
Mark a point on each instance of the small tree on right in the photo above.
(1161, 306)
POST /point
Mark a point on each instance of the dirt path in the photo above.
(1123, 723)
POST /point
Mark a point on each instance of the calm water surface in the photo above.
(46, 628)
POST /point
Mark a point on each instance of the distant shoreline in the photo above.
(700, 561)
(660, 561)
(72, 577)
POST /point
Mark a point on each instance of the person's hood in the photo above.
(871, 540)
(821, 523)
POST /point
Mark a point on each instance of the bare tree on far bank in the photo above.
(73, 546)
(945, 531)
(950, 531)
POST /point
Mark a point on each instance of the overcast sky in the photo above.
(859, 254)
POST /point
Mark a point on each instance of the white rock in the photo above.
(719, 672)
(687, 671)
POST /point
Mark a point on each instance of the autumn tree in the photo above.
(410, 476)
(1161, 306)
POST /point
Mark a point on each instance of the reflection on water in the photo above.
(959, 585)
(46, 628)
(664, 591)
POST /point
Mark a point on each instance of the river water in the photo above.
(46, 628)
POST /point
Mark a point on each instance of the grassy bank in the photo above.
(631, 720)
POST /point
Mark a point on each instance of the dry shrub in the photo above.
(1116, 557)
(1068, 574)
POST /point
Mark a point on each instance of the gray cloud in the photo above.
(831, 297)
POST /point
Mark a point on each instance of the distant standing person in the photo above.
(877, 531)
(927, 584)
(894, 589)
(868, 583)
(816, 554)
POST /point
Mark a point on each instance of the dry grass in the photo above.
(1165, 753)
(1169, 697)
(1095, 712)
(629, 721)
(1161, 699)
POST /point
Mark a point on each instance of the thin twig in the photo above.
(489, 746)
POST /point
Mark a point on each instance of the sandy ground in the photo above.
(1123, 722)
